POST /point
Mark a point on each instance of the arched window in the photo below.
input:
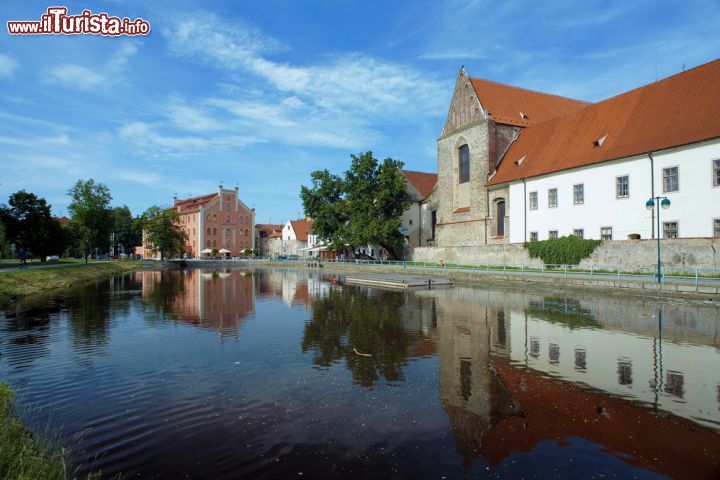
(227, 219)
(209, 230)
(500, 218)
(214, 217)
(227, 206)
(463, 164)
(208, 244)
(214, 231)
(209, 217)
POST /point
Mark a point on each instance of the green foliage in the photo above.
(30, 225)
(363, 207)
(163, 231)
(562, 251)
(127, 230)
(248, 251)
(92, 218)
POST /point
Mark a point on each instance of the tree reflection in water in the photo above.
(353, 323)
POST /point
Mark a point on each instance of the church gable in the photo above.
(464, 107)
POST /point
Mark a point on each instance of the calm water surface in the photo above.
(285, 373)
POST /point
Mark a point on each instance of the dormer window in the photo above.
(598, 143)
(520, 160)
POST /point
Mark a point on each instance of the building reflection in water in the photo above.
(215, 300)
(507, 385)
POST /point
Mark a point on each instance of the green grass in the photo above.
(36, 262)
(19, 283)
(25, 456)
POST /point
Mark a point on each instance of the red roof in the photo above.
(62, 220)
(268, 229)
(422, 181)
(301, 228)
(677, 110)
(520, 107)
(193, 204)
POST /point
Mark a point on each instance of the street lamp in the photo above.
(650, 205)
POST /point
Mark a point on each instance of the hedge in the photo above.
(562, 251)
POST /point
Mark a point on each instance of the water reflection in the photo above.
(458, 380)
(215, 300)
(364, 330)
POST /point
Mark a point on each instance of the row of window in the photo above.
(213, 231)
(212, 217)
(671, 183)
(214, 244)
(670, 230)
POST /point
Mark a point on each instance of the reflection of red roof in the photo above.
(193, 204)
(677, 110)
(557, 410)
(422, 181)
(520, 107)
(301, 228)
(62, 220)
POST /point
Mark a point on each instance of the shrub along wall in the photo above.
(562, 251)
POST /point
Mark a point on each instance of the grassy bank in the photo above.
(19, 283)
(21, 455)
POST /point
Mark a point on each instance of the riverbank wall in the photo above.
(639, 254)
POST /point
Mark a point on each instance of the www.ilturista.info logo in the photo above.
(57, 22)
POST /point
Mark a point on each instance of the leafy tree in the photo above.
(127, 230)
(91, 215)
(163, 231)
(362, 207)
(30, 225)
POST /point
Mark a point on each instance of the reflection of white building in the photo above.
(642, 365)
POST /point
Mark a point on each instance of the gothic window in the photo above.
(464, 164)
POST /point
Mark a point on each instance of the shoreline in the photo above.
(19, 284)
(605, 285)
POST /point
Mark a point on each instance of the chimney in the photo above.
(175, 199)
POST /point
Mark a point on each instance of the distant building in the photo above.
(296, 236)
(214, 222)
(267, 235)
(419, 186)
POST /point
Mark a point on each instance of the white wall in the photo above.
(694, 206)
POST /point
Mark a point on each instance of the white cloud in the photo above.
(77, 76)
(8, 65)
(337, 102)
(99, 76)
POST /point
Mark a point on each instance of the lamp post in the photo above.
(664, 203)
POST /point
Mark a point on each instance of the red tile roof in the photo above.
(62, 220)
(301, 228)
(508, 104)
(422, 181)
(677, 110)
(268, 229)
(193, 204)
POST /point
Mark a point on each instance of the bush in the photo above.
(562, 251)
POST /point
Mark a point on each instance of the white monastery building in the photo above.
(516, 165)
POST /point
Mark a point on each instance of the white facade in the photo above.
(694, 206)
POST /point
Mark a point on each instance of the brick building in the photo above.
(217, 221)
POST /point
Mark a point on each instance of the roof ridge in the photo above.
(529, 90)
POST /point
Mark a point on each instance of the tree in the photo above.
(127, 230)
(362, 207)
(30, 225)
(91, 214)
(163, 231)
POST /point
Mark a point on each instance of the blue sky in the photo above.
(259, 94)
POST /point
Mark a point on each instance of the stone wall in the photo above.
(679, 252)
(641, 254)
(477, 255)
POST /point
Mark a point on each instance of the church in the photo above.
(515, 165)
